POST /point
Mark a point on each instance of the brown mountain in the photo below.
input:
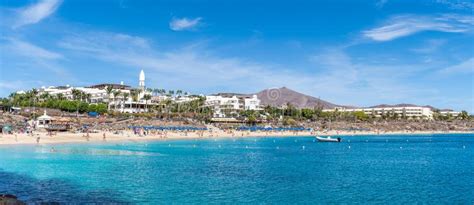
(278, 97)
(282, 96)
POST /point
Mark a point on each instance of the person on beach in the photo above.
(87, 135)
(38, 140)
(104, 138)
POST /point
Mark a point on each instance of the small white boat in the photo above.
(328, 139)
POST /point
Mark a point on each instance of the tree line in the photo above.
(81, 102)
(45, 100)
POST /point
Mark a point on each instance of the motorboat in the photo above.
(328, 139)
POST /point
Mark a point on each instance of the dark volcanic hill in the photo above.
(278, 97)
(282, 96)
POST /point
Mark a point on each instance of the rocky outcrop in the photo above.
(8, 199)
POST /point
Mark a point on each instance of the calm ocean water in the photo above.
(434, 169)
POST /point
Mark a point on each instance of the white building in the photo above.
(449, 113)
(65, 91)
(184, 99)
(252, 103)
(131, 105)
(223, 105)
(95, 95)
(410, 112)
(141, 81)
(44, 120)
(98, 94)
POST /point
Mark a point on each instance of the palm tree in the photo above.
(109, 90)
(463, 115)
(148, 90)
(34, 94)
(125, 98)
(60, 96)
(134, 94)
(179, 92)
(12, 95)
(170, 92)
(146, 97)
(75, 94)
(116, 94)
(45, 96)
(155, 91)
(167, 103)
(83, 96)
(87, 97)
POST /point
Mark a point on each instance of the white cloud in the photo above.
(336, 76)
(430, 46)
(36, 12)
(196, 65)
(98, 41)
(181, 24)
(22, 55)
(29, 50)
(342, 79)
(406, 25)
(465, 67)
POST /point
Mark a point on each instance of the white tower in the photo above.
(141, 84)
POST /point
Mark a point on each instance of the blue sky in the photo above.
(358, 53)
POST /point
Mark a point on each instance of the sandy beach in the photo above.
(60, 138)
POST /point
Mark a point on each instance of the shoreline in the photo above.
(78, 138)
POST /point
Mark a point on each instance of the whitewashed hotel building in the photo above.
(409, 111)
(223, 105)
(128, 105)
(449, 113)
(98, 94)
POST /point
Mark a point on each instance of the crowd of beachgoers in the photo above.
(86, 129)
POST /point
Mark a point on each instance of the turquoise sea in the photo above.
(427, 169)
